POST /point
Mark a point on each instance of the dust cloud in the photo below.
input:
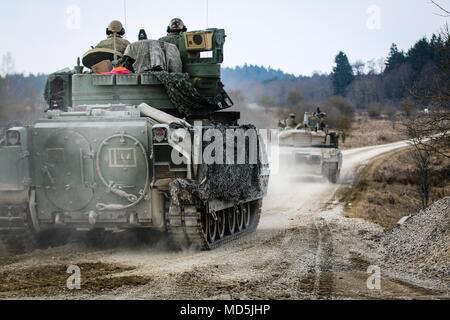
(293, 186)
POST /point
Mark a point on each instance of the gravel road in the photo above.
(304, 249)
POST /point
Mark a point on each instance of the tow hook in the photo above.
(93, 218)
(59, 219)
(134, 221)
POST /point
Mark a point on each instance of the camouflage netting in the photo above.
(230, 183)
(163, 61)
(183, 95)
(184, 192)
(151, 55)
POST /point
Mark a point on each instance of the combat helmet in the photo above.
(176, 26)
(115, 27)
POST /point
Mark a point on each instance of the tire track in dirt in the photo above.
(319, 280)
(323, 284)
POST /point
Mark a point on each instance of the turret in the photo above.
(197, 92)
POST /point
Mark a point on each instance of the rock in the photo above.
(404, 220)
(419, 246)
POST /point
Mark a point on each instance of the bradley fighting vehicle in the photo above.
(103, 158)
(310, 149)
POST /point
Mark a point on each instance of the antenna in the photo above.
(207, 14)
(125, 13)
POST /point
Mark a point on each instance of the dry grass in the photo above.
(388, 190)
(368, 132)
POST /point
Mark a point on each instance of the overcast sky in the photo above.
(298, 36)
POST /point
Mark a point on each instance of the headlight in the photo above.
(160, 135)
(13, 138)
(330, 154)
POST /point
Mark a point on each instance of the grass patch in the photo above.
(387, 189)
(367, 132)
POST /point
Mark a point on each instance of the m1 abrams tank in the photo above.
(310, 149)
(124, 152)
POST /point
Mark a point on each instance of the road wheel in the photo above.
(231, 221)
(205, 223)
(221, 225)
(212, 229)
(239, 219)
(247, 215)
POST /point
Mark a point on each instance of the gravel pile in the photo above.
(420, 248)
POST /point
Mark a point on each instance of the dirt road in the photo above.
(304, 248)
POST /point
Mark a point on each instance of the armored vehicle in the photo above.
(122, 151)
(310, 149)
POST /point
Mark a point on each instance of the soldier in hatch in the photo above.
(291, 123)
(321, 116)
(174, 30)
(115, 40)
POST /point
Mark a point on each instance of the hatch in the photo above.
(66, 165)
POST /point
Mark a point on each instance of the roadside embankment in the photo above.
(388, 188)
(420, 248)
(367, 132)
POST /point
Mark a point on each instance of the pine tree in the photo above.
(342, 74)
(419, 55)
(395, 58)
(437, 45)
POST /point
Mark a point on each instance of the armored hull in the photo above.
(307, 153)
(113, 154)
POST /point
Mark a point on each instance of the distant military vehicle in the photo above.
(310, 148)
(103, 158)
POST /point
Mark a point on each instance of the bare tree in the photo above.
(443, 11)
(8, 65)
(421, 155)
(435, 126)
(340, 114)
(429, 135)
(359, 67)
(429, 131)
(376, 66)
(408, 107)
(435, 132)
(294, 98)
(372, 67)
(381, 65)
(391, 114)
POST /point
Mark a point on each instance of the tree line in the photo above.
(21, 97)
(415, 75)
(404, 81)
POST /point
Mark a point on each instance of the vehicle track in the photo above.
(16, 236)
(323, 284)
